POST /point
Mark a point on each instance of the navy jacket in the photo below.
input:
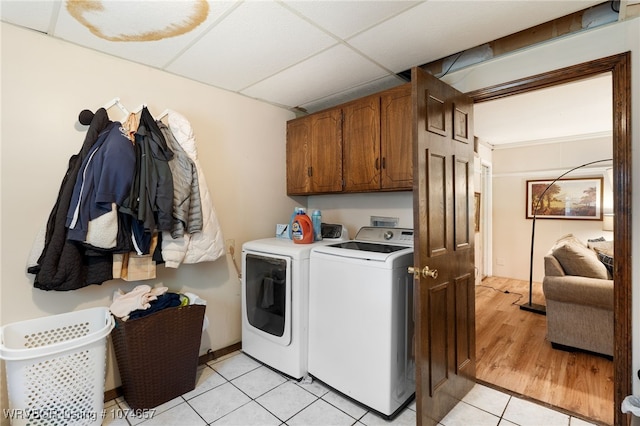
(105, 177)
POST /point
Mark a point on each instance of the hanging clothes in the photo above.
(131, 125)
(150, 202)
(105, 178)
(204, 246)
(118, 195)
(62, 264)
(187, 207)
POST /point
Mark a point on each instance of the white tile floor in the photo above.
(236, 390)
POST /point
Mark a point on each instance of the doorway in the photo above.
(619, 67)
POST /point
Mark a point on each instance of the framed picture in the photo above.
(579, 198)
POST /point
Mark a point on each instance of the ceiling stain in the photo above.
(138, 20)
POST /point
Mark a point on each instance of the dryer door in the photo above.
(266, 296)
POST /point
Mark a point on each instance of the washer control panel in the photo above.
(403, 236)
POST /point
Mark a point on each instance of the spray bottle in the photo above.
(316, 219)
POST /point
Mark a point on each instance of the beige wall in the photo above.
(511, 230)
(355, 210)
(241, 146)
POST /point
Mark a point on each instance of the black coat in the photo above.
(63, 264)
(150, 203)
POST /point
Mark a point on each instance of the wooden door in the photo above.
(396, 144)
(443, 214)
(325, 170)
(361, 152)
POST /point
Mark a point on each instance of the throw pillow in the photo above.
(607, 261)
(595, 240)
(602, 246)
(578, 260)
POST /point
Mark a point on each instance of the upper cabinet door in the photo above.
(361, 153)
(298, 156)
(326, 151)
(396, 143)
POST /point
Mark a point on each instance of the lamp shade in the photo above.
(607, 222)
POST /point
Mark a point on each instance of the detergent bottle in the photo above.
(302, 228)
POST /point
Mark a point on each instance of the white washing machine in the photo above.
(275, 300)
(361, 318)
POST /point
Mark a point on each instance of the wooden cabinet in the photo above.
(396, 143)
(314, 153)
(360, 146)
(377, 153)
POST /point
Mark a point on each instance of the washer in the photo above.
(275, 300)
(361, 318)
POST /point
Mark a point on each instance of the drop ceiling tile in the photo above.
(436, 29)
(350, 94)
(346, 18)
(255, 41)
(331, 71)
(139, 20)
(29, 14)
(400, 42)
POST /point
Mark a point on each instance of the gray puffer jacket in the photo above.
(187, 206)
(204, 246)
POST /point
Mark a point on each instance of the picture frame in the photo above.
(573, 199)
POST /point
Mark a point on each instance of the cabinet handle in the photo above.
(309, 171)
(377, 164)
(384, 162)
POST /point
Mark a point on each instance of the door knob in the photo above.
(426, 272)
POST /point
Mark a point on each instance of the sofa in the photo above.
(578, 288)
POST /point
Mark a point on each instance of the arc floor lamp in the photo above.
(534, 307)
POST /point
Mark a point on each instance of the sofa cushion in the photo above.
(568, 238)
(552, 267)
(576, 259)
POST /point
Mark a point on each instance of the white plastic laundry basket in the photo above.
(56, 368)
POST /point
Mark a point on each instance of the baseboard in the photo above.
(203, 359)
(213, 355)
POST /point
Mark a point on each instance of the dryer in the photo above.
(275, 300)
(361, 318)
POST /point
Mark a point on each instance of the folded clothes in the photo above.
(138, 298)
(167, 300)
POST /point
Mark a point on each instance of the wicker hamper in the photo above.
(157, 354)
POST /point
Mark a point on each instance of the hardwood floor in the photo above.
(513, 354)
